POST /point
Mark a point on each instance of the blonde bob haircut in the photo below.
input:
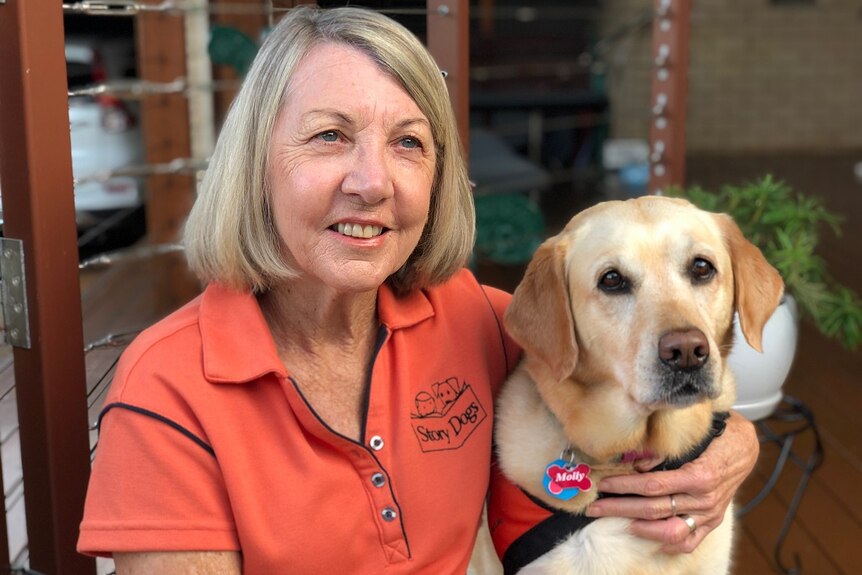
(230, 236)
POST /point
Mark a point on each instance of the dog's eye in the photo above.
(613, 281)
(702, 270)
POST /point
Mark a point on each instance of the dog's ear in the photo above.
(539, 317)
(757, 285)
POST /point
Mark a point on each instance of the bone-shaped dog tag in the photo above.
(564, 480)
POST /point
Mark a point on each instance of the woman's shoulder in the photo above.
(166, 331)
(471, 304)
(219, 337)
(174, 337)
(465, 289)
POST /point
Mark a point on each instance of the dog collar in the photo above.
(719, 424)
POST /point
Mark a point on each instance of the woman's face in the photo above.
(351, 166)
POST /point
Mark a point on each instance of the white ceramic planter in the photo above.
(760, 376)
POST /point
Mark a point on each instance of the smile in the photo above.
(358, 230)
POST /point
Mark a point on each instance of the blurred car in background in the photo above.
(105, 136)
(104, 130)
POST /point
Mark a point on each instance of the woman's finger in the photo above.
(649, 508)
(675, 535)
(693, 478)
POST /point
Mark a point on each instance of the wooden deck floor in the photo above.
(827, 532)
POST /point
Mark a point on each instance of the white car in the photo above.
(105, 134)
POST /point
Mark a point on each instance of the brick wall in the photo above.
(761, 77)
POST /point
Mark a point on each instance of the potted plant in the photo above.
(785, 224)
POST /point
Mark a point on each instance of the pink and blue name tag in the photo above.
(563, 480)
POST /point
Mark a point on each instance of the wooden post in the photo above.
(165, 118)
(449, 42)
(251, 25)
(39, 210)
(669, 94)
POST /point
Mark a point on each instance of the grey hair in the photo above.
(230, 236)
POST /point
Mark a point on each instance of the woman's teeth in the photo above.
(359, 231)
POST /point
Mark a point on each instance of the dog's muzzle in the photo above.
(683, 355)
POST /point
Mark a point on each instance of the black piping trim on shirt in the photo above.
(499, 330)
(398, 505)
(547, 534)
(382, 334)
(158, 417)
(366, 449)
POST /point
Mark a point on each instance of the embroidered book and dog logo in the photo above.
(447, 416)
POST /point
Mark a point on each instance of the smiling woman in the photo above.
(244, 250)
(349, 160)
(332, 229)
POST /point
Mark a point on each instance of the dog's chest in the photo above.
(605, 547)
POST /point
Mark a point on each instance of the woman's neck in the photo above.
(326, 341)
(306, 315)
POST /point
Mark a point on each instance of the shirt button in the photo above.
(376, 443)
(389, 514)
(378, 480)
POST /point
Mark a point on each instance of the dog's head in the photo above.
(640, 295)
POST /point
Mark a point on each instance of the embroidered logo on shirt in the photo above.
(447, 416)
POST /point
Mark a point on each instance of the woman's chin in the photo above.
(347, 280)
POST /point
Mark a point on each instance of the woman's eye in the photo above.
(613, 281)
(702, 270)
(328, 136)
(411, 143)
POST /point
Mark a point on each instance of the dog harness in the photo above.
(524, 528)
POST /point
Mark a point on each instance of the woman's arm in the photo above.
(702, 489)
(179, 562)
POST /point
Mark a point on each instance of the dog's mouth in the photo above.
(682, 388)
(640, 459)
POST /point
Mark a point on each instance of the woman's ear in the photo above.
(757, 285)
(540, 317)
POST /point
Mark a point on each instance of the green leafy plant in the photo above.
(786, 224)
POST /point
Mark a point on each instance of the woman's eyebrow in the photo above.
(339, 117)
(408, 122)
(326, 114)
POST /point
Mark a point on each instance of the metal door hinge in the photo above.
(16, 320)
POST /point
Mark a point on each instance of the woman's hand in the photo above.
(701, 489)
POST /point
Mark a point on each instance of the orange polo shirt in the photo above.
(206, 443)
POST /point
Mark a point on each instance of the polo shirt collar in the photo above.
(238, 346)
(400, 312)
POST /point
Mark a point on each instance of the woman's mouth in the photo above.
(358, 230)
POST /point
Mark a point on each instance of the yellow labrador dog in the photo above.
(625, 318)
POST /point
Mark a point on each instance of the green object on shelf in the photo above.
(509, 228)
(231, 47)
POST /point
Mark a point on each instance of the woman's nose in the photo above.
(369, 176)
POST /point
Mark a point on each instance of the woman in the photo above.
(326, 404)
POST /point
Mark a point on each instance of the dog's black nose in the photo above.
(684, 349)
